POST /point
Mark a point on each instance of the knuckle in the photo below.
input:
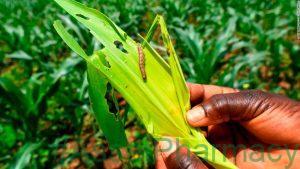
(255, 94)
(219, 101)
(217, 107)
(254, 102)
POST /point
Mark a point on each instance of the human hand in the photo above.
(253, 129)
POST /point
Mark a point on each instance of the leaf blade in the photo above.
(112, 127)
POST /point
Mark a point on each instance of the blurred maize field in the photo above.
(46, 119)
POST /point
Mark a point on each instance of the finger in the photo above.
(184, 159)
(221, 108)
(211, 90)
(160, 163)
(196, 92)
(199, 92)
(164, 148)
(167, 146)
(172, 158)
(223, 137)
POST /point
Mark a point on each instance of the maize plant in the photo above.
(155, 88)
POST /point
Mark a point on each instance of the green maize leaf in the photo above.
(15, 95)
(69, 40)
(46, 87)
(24, 155)
(111, 125)
(177, 75)
(160, 101)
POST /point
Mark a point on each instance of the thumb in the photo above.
(244, 105)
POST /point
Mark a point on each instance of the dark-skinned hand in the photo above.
(252, 128)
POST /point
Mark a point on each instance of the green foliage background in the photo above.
(45, 119)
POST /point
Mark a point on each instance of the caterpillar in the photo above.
(142, 61)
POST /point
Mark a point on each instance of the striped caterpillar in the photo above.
(141, 61)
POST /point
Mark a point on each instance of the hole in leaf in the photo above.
(82, 16)
(103, 59)
(111, 100)
(119, 45)
(107, 64)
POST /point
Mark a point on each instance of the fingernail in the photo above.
(195, 114)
